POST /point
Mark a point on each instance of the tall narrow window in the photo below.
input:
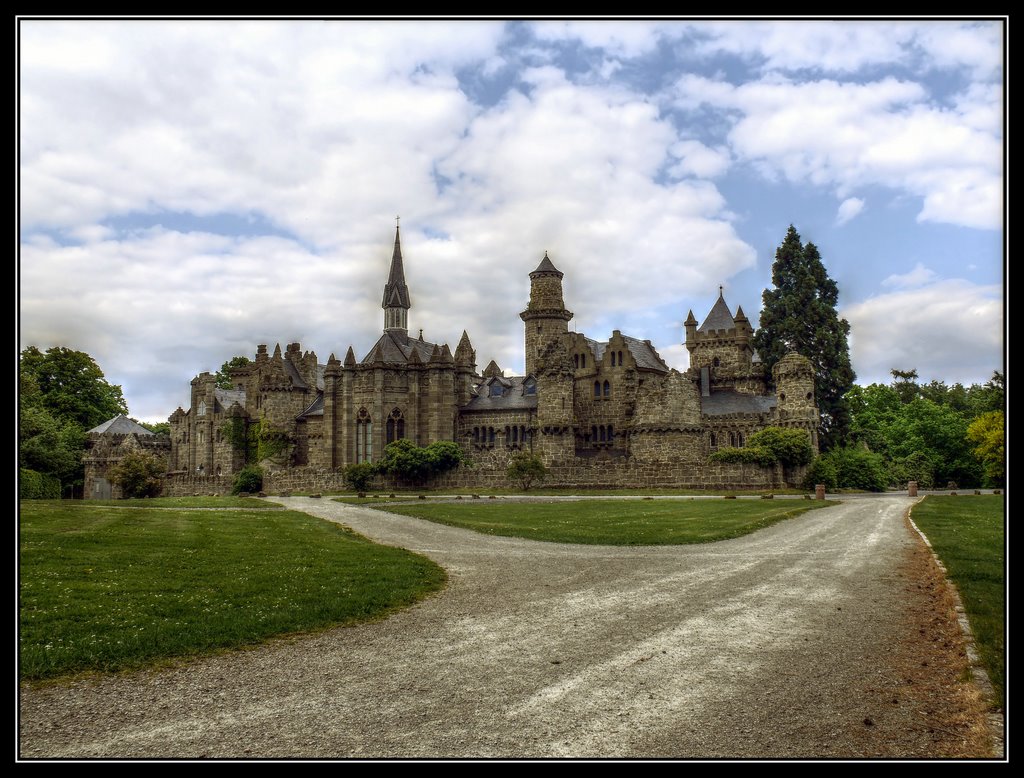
(607, 389)
(583, 360)
(602, 433)
(613, 359)
(395, 429)
(610, 433)
(597, 389)
(576, 361)
(364, 436)
(490, 435)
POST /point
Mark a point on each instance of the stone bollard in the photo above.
(912, 488)
(819, 491)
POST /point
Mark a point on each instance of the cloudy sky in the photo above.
(191, 189)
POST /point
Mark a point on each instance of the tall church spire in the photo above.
(396, 302)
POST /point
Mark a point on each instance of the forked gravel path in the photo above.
(787, 642)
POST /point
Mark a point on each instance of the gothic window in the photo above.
(714, 441)
(576, 361)
(476, 434)
(610, 433)
(583, 360)
(613, 359)
(218, 470)
(739, 439)
(395, 426)
(201, 410)
(515, 434)
(602, 433)
(607, 389)
(201, 435)
(593, 434)
(524, 435)
(490, 435)
(597, 389)
(620, 359)
(508, 435)
(732, 440)
(364, 436)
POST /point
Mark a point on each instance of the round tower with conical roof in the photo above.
(546, 317)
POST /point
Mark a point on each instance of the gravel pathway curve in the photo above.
(780, 643)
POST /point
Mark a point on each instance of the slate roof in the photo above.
(396, 293)
(643, 353)
(394, 347)
(728, 401)
(547, 266)
(719, 318)
(316, 408)
(512, 398)
(120, 425)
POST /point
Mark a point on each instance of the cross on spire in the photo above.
(397, 220)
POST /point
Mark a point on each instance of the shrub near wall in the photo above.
(37, 486)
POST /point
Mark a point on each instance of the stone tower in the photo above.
(396, 302)
(546, 317)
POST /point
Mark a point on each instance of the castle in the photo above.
(598, 413)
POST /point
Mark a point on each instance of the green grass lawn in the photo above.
(107, 588)
(967, 533)
(614, 522)
(185, 502)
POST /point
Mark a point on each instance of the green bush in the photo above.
(359, 476)
(249, 479)
(853, 468)
(33, 485)
(138, 474)
(525, 469)
(406, 461)
(791, 447)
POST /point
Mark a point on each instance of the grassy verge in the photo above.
(386, 496)
(184, 502)
(967, 533)
(106, 588)
(614, 522)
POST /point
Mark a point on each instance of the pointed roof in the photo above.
(719, 318)
(120, 425)
(396, 293)
(547, 266)
(396, 347)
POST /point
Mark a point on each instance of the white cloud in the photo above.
(848, 46)
(696, 159)
(847, 136)
(949, 330)
(917, 277)
(848, 209)
(619, 38)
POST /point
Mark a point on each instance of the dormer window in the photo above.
(529, 387)
(496, 390)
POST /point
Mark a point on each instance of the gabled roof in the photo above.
(643, 353)
(316, 408)
(719, 318)
(395, 347)
(513, 397)
(120, 425)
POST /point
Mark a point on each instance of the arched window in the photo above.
(576, 361)
(716, 361)
(620, 359)
(583, 360)
(515, 434)
(610, 433)
(732, 439)
(714, 441)
(490, 435)
(597, 389)
(395, 426)
(601, 432)
(613, 359)
(476, 434)
(364, 436)
(201, 411)
(607, 389)
(739, 439)
(508, 435)
(593, 434)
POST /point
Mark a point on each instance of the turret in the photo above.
(546, 317)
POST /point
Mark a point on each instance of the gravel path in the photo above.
(787, 642)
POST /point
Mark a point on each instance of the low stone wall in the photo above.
(190, 485)
(579, 472)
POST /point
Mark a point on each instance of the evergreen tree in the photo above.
(799, 314)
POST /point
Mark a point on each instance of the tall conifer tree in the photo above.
(799, 314)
